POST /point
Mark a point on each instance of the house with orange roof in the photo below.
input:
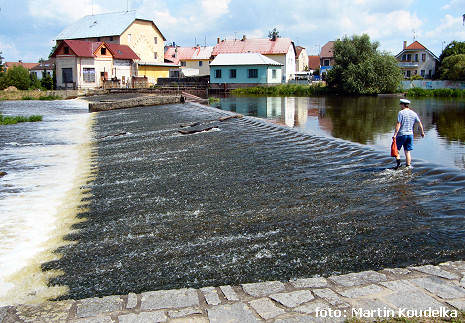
(416, 59)
(280, 49)
(87, 64)
(192, 60)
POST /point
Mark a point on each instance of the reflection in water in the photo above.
(366, 120)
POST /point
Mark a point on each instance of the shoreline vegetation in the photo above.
(417, 92)
(4, 120)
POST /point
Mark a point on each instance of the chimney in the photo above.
(405, 44)
(218, 40)
(244, 37)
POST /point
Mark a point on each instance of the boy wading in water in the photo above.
(406, 119)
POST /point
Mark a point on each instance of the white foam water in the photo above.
(35, 194)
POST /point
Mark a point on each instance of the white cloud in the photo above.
(215, 8)
(65, 11)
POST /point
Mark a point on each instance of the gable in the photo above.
(264, 46)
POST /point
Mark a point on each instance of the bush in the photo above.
(435, 93)
(285, 90)
(4, 120)
(18, 77)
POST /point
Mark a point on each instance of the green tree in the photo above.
(47, 82)
(446, 70)
(453, 48)
(18, 76)
(453, 68)
(360, 68)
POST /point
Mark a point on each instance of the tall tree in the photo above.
(273, 34)
(360, 68)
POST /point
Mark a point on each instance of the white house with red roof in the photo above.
(87, 64)
(192, 60)
(281, 50)
(416, 59)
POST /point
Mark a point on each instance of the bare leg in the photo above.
(408, 158)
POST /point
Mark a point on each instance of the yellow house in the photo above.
(123, 28)
(154, 70)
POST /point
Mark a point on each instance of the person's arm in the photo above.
(397, 130)
(420, 125)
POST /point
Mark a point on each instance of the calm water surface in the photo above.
(366, 120)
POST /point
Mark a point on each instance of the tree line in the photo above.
(19, 77)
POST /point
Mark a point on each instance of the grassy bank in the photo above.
(286, 90)
(4, 120)
(417, 92)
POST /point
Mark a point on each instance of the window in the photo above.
(218, 74)
(232, 73)
(423, 73)
(103, 51)
(88, 75)
(67, 75)
(416, 57)
(200, 63)
(253, 73)
(273, 74)
(326, 62)
(423, 57)
(66, 50)
(183, 64)
(129, 38)
(409, 57)
(111, 38)
(155, 40)
(155, 55)
(404, 58)
(409, 73)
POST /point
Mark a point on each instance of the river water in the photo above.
(366, 120)
(246, 201)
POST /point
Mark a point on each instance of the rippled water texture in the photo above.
(248, 201)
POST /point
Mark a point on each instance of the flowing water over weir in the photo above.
(247, 201)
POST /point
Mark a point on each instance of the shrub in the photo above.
(4, 120)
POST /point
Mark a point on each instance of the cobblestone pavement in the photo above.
(423, 291)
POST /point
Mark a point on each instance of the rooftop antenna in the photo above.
(127, 5)
(414, 35)
(92, 7)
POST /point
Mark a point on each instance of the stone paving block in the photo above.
(316, 282)
(167, 299)
(143, 317)
(311, 319)
(293, 299)
(400, 285)
(231, 313)
(100, 319)
(94, 306)
(436, 271)
(362, 291)
(211, 295)
(356, 279)
(331, 297)
(397, 271)
(266, 308)
(458, 304)
(45, 312)
(455, 265)
(312, 307)
(413, 300)
(371, 308)
(263, 289)
(229, 293)
(439, 287)
(184, 312)
(132, 301)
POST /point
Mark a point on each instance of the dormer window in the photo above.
(66, 50)
(103, 51)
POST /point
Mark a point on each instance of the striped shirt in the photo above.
(407, 119)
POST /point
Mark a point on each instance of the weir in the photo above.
(247, 201)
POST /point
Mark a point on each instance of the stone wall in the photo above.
(134, 102)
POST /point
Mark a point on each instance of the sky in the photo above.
(28, 28)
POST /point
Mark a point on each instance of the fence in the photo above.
(433, 85)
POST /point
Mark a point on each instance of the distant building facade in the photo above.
(191, 60)
(43, 69)
(416, 59)
(281, 50)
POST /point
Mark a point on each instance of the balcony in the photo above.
(409, 64)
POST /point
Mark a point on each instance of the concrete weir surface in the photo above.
(198, 215)
(422, 292)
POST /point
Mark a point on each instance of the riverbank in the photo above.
(14, 95)
(417, 294)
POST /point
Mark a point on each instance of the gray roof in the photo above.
(109, 24)
(243, 59)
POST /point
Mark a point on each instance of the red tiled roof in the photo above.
(415, 46)
(298, 49)
(176, 54)
(313, 62)
(122, 51)
(264, 46)
(25, 65)
(82, 48)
